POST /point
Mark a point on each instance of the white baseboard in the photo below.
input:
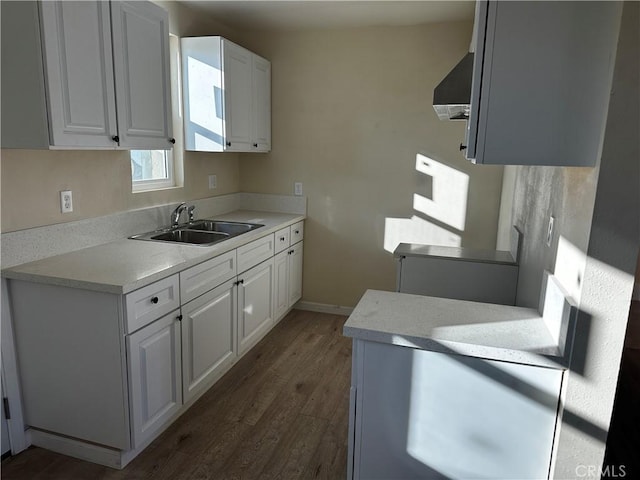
(75, 448)
(323, 308)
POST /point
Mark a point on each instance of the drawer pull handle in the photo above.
(115, 138)
(297, 232)
(154, 300)
(239, 282)
(282, 239)
(179, 318)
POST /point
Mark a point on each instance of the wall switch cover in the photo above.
(213, 182)
(66, 201)
(297, 188)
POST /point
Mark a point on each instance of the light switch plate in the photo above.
(213, 182)
(297, 188)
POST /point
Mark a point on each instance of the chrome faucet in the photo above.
(190, 211)
(175, 215)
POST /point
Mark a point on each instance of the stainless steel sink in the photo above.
(230, 228)
(191, 236)
(199, 232)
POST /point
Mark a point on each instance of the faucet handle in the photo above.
(190, 211)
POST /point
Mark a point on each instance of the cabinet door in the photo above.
(542, 84)
(76, 39)
(255, 304)
(154, 376)
(202, 88)
(141, 65)
(295, 273)
(281, 284)
(261, 78)
(422, 414)
(208, 338)
(237, 96)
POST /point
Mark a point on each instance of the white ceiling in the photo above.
(293, 15)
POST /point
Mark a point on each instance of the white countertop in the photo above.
(483, 330)
(455, 253)
(125, 265)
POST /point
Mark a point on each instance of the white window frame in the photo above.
(173, 157)
(156, 184)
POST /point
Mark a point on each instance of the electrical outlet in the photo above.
(550, 231)
(66, 201)
(213, 182)
(297, 188)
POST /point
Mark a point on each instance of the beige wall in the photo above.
(101, 180)
(351, 110)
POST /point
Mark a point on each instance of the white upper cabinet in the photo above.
(541, 82)
(104, 67)
(237, 96)
(142, 74)
(76, 39)
(227, 97)
(261, 78)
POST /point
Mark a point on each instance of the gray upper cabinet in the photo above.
(93, 75)
(541, 82)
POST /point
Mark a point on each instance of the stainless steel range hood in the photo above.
(452, 96)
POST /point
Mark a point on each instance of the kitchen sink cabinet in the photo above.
(542, 78)
(154, 377)
(227, 96)
(93, 75)
(121, 367)
(209, 332)
(255, 304)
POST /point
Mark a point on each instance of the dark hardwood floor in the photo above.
(280, 413)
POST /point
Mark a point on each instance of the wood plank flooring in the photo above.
(280, 413)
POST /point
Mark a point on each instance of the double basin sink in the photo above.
(199, 232)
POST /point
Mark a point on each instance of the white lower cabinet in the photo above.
(154, 376)
(255, 304)
(120, 368)
(295, 273)
(281, 284)
(208, 338)
(288, 279)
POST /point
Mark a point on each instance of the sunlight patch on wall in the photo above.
(447, 205)
(416, 230)
(449, 193)
(569, 268)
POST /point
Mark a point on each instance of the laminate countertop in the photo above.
(483, 330)
(125, 265)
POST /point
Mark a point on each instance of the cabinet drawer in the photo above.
(255, 252)
(203, 277)
(297, 232)
(282, 239)
(151, 302)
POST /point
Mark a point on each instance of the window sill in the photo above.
(150, 189)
